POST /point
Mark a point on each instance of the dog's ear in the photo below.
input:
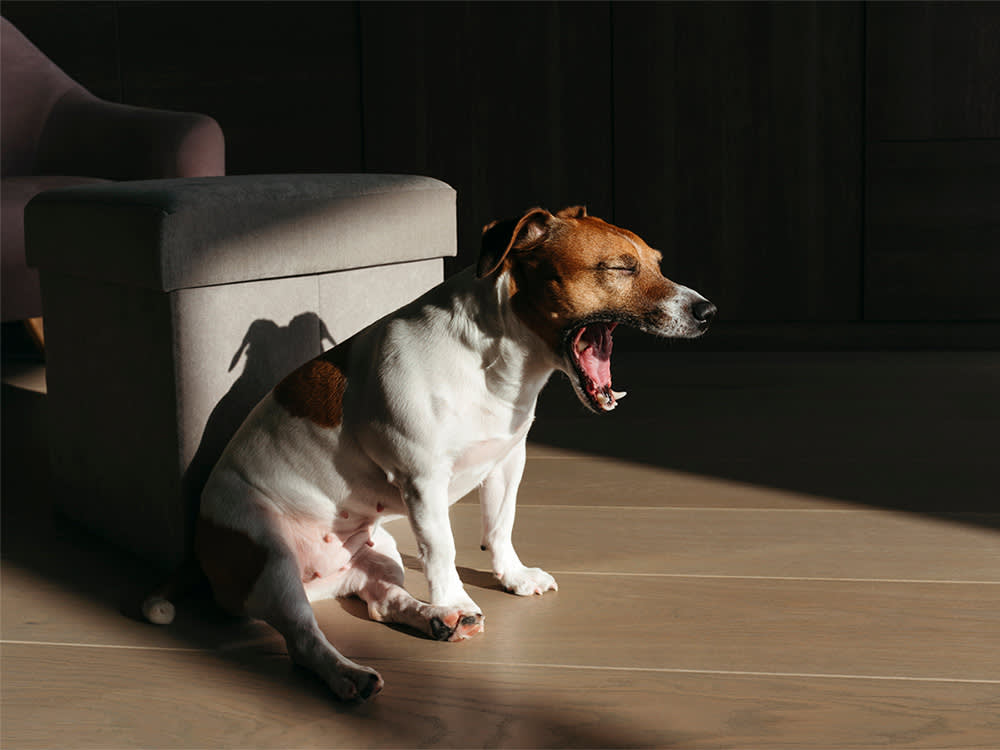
(500, 237)
(572, 212)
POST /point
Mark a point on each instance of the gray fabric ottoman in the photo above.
(172, 306)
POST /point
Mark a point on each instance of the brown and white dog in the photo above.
(408, 416)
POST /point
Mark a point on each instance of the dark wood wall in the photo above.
(827, 173)
(739, 150)
(933, 241)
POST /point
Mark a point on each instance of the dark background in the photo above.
(828, 174)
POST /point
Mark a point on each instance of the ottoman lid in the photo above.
(180, 233)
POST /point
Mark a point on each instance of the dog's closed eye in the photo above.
(625, 265)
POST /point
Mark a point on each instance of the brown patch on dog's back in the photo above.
(232, 562)
(314, 391)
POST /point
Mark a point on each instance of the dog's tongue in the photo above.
(596, 358)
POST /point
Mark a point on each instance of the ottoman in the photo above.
(172, 306)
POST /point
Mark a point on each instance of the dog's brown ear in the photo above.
(572, 212)
(500, 237)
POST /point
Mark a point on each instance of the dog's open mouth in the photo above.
(589, 350)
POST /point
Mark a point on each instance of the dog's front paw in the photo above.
(457, 625)
(525, 581)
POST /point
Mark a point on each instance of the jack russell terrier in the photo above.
(409, 415)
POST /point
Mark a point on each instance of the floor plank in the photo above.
(553, 476)
(929, 631)
(763, 589)
(95, 699)
(747, 542)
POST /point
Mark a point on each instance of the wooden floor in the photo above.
(753, 551)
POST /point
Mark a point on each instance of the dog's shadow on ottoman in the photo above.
(271, 351)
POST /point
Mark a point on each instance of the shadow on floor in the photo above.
(916, 432)
(98, 575)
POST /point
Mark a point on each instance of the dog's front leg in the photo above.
(427, 502)
(497, 501)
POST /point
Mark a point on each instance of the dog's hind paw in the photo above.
(356, 684)
(528, 581)
(457, 626)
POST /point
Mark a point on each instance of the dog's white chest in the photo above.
(478, 456)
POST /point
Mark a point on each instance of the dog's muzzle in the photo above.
(686, 314)
(587, 346)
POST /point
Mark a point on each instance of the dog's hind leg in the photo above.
(278, 597)
(260, 577)
(378, 580)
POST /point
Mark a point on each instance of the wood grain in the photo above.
(759, 146)
(133, 701)
(789, 619)
(712, 541)
(933, 231)
(284, 85)
(739, 154)
(933, 70)
(510, 104)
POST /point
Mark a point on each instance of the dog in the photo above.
(407, 417)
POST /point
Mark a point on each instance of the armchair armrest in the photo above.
(88, 136)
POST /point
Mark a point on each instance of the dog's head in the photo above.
(573, 278)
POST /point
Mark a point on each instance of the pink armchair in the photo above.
(54, 133)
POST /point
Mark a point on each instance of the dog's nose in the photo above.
(703, 311)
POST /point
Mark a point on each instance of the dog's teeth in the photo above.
(619, 395)
(605, 401)
(582, 346)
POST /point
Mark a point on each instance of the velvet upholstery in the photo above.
(54, 133)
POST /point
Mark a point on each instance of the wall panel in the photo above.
(509, 103)
(809, 166)
(281, 79)
(932, 248)
(738, 131)
(934, 70)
